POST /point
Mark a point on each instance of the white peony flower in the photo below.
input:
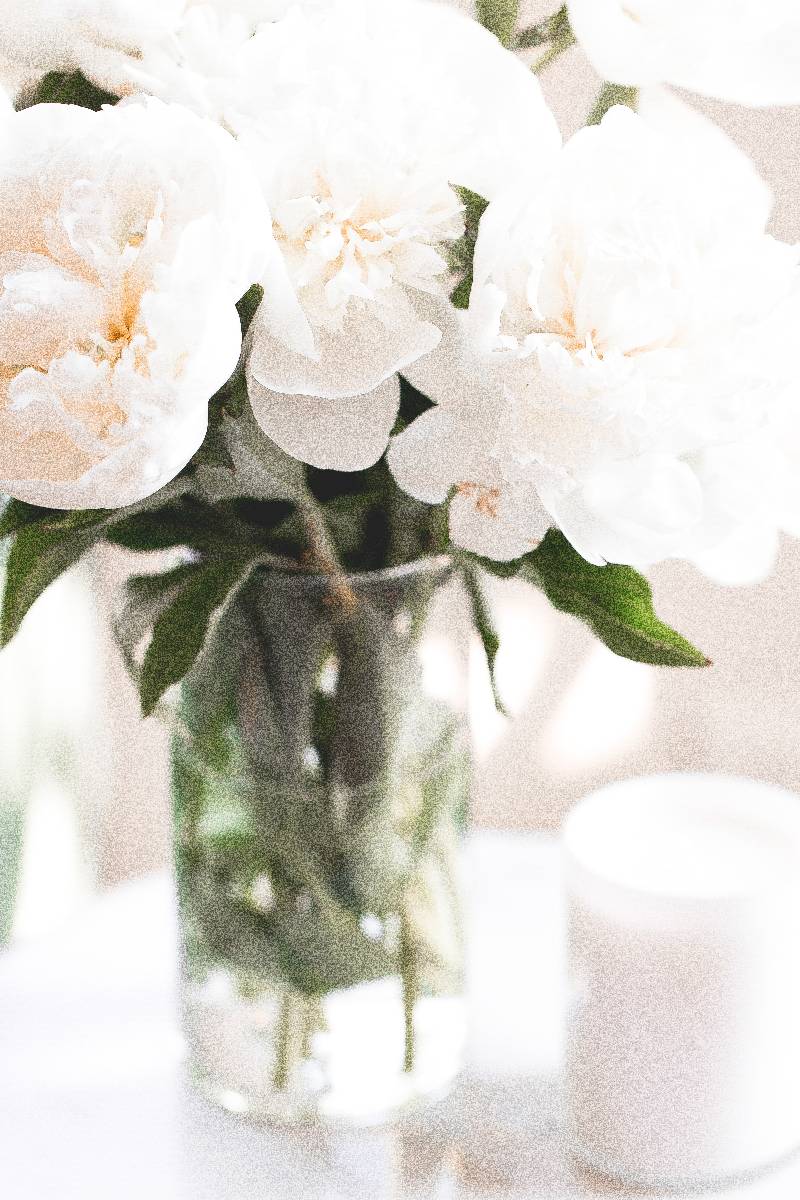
(126, 238)
(628, 369)
(200, 61)
(362, 115)
(747, 51)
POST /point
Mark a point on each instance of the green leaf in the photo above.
(609, 95)
(39, 554)
(500, 570)
(413, 403)
(499, 17)
(214, 451)
(187, 522)
(615, 601)
(16, 515)
(554, 31)
(260, 470)
(462, 253)
(181, 629)
(61, 87)
(248, 305)
(484, 625)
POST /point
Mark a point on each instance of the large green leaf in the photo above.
(39, 554)
(499, 17)
(181, 628)
(615, 601)
(188, 521)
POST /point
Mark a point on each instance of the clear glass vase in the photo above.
(321, 773)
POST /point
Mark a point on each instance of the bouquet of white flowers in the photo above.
(309, 294)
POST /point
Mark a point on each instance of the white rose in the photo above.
(747, 51)
(126, 238)
(362, 116)
(628, 368)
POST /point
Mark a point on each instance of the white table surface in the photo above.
(94, 1106)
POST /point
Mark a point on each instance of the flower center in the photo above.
(342, 250)
(486, 499)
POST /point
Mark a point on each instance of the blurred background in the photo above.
(84, 783)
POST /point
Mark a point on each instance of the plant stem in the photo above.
(410, 985)
(290, 1038)
(323, 555)
(299, 1018)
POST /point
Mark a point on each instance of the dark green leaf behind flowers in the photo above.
(68, 87)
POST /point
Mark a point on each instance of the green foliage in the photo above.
(182, 625)
(615, 601)
(41, 551)
(462, 253)
(248, 306)
(366, 833)
(188, 520)
(554, 31)
(609, 95)
(499, 17)
(413, 403)
(16, 515)
(60, 87)
(44, 543)
(484, 625)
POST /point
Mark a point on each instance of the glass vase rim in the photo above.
(428, 564)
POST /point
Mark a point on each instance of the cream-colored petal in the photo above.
(431, 455)
(350, 360)
(347, 433)
(496, 522)
(720, 167)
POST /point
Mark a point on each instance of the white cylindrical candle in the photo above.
(684, 1033)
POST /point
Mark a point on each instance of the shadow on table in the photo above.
(497, 1138)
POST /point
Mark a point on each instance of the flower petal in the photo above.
(636, 511)
(747, 556)
(50, 469)
(502, 523)
(714, 158)
(346, 433)
(348, 361)
(430, 456)
(747, 53)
